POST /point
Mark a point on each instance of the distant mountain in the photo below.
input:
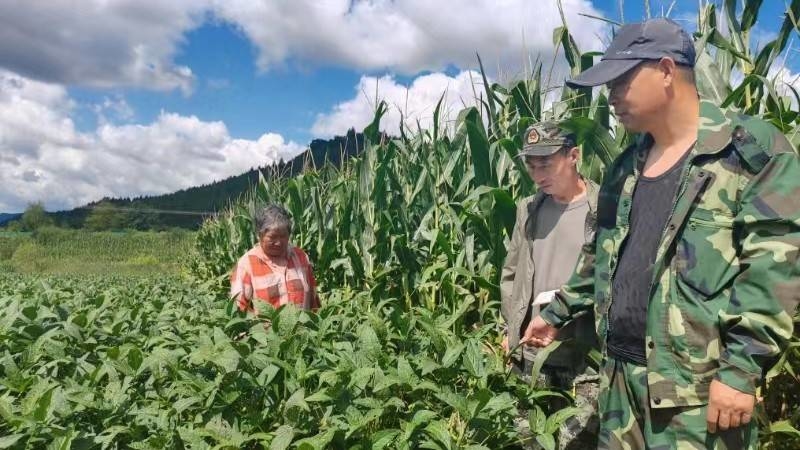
(188, 207)
(5, 217)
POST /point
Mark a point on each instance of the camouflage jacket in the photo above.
(726, 280)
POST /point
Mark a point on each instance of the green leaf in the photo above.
(479, 148)
(540, 358)
(11, 439)
(361, 376)
(318, 442)
(405, 372)
(183, 404)
(560, 416)
(319, 397)
(473, 360)
(384, 438)
(537, 420)
(283, 438)
(368, 340)
(63, 442)
(547, 441)
(784, 427)
(452, 354)
(438, 431)
(109, 434)
(297, 400)
(710, 83)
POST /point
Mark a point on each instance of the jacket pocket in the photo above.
(694, 338)
(705, 266)
(705, 256)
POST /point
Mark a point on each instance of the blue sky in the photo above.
(127, 97)
(230, 88)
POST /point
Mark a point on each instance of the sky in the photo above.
(122, 98)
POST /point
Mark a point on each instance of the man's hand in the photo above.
(728, 407)
(504, 344)
(539, 333)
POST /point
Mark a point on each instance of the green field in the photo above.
(57, 251)
(98, 362)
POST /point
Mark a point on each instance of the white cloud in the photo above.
(113, 109)
(43, 156)
(407, 36)
(32, 114)
(99, 43)
(784, 79)
(133, 43)
(414, 104)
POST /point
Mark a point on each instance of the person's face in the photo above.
(639, 96)
(554, 174)
(274, 241)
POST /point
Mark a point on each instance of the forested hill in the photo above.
(5, 217)
(186, 208)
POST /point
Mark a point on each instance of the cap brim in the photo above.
(603, 72)
(539, 150)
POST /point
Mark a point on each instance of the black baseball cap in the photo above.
(650, 40)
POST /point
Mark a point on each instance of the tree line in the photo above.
(186, 208)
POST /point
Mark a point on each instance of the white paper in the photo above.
(545, 297)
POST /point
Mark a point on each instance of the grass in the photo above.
(56, 251)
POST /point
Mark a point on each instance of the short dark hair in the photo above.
(688, 74)
(687, 71)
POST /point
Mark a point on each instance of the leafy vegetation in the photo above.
(110, 363)
(34, 217)
(51, 250)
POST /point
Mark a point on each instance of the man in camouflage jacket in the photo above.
(725, 279)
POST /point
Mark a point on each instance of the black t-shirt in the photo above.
(630, 288)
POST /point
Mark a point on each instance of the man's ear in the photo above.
(669, 70)
(575, 154)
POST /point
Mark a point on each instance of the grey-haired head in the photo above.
(272, 217)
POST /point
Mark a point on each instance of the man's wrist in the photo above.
(737, 378)
(550, 318)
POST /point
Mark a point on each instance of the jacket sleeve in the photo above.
(757, 323)
(507, 303)
(241, 287)
(577, 295)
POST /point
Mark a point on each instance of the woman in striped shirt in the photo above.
(274, 272)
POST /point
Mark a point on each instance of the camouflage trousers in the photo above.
(628, 423)
(579, 432)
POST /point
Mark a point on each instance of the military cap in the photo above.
(544, 139)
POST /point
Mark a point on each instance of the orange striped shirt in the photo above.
(254, 281)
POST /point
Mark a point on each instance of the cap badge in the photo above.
(533, 137)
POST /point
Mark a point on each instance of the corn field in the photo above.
(423, 217)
